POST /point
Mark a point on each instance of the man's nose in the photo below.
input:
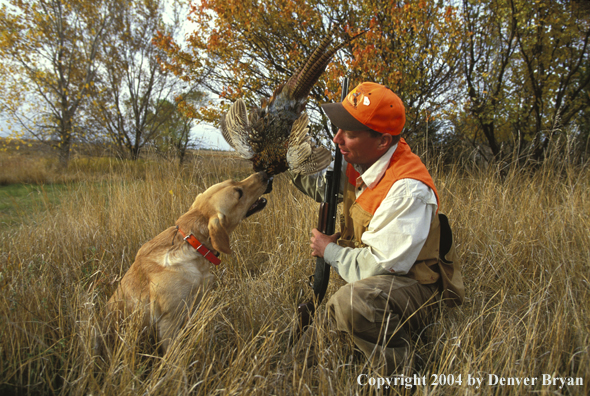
(338, 138)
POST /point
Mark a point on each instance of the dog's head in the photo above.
(217, 211)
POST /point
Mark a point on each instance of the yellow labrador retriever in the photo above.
(172, 270)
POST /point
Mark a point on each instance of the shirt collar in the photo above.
(373, 175)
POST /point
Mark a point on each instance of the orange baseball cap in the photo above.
(368, 106)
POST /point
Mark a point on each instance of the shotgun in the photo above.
(326, 225)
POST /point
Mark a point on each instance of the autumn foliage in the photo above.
(78, 71)
(245, 49)
(50, 51)
(502, 77)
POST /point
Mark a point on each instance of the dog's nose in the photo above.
(269, 186)
(263, 176)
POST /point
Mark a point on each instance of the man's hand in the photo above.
(319, 242)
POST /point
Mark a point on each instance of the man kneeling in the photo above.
(395, 250)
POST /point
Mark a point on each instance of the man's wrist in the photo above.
(331, 253)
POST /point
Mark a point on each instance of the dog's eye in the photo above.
(240, 192)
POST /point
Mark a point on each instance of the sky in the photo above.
(206, 136)
(209, 137)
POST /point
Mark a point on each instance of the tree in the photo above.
(525, 64)
(413, 47)
(131, 99)
(553, 44)
(246, 48)
(51, 49)
(175, 133)
(487, 52)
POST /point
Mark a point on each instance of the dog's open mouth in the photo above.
(256, 207)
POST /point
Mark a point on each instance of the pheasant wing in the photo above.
(319, 159)
(235, 128)
(299, 149)
(302, 155)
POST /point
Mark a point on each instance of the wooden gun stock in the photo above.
(323, 217)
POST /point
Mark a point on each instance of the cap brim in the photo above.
(342, 119)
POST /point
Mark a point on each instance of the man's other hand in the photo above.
(319, 242)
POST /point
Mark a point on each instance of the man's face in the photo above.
(360, 147)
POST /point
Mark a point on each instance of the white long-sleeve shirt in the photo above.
(397, 231)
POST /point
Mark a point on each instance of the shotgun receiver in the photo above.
(326, 225)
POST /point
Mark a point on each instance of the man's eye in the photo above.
(240, 192)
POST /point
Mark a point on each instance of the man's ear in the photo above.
(386, 140)
(218, 234)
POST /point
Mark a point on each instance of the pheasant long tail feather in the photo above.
(299, 84)
(275, 136)
(304, 79)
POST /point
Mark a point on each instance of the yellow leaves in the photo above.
(252, 45)
(210, 115)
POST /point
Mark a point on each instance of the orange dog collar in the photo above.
(199, 247)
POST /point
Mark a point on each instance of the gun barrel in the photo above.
(327, 225)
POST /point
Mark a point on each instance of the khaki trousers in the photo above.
(381, 312)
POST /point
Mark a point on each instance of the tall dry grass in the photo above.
(523, 239)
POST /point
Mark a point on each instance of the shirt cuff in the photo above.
(352, 264)
(331, 253)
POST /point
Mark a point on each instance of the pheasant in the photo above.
(274, 137)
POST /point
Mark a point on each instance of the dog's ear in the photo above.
(219, 236)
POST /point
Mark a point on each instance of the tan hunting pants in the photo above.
(381, 312)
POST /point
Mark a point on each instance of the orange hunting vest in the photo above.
(403, 165)
(437, 262)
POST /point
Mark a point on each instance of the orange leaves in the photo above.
(165, 41)
(214, 41)
(372, 24)
(409, 47)
(248, 46)
(449, 12)
(209, 114)
(226, 92)
(365, 59)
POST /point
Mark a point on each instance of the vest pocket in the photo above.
(425, 272)
(360, 216)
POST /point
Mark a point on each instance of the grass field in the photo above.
(67, 237)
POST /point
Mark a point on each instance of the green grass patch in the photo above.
(19, 201)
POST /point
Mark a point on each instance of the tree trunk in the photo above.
(65, 143)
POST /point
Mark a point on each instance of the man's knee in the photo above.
(353, 307)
